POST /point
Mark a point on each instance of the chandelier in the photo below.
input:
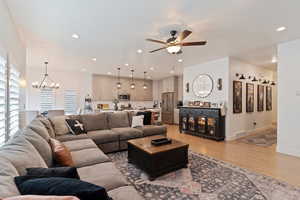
(47, 82)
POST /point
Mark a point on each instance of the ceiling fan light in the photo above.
(174, 49)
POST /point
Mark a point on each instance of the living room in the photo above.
(149, 100)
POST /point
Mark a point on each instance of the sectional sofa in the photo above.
(106, 132)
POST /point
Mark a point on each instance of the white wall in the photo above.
(243, 123)
(289, 98)
(216, 69)
(226, 68)
(11, 45)
(75, 80)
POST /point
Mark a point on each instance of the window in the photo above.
(70, 98)
(47, 99)
(2, 100)
(14, 95)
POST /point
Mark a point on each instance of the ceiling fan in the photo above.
(174, 44)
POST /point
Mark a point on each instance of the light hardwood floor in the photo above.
(263, 160)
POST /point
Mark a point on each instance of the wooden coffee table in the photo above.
(157, 160)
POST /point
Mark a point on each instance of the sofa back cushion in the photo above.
(60, 125)
(40, 144)
(37, 126)
(93, 122)
(118, 119)
(7, 174)
(46, 122)
(22, 154)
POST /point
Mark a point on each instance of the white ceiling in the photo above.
(112, 31)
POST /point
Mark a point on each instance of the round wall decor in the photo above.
(203, 85)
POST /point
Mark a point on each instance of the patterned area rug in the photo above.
(206, 179)
(265, 139)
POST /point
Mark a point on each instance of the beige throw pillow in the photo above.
(60, 125)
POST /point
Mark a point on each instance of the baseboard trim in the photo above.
(249, 132)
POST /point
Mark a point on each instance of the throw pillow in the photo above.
(62, 155)
(61, 187)
(66, 172)
(137, 121)
(75, 126)
(59, 125)
(40, 197)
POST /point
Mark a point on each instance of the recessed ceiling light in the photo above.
(83, 69)
(126, 64)
(75, 36)
(140, 51)
(282, 28)
(180, 60)
(109, 73)
(151, 68)
(94, 59)
(274, 60)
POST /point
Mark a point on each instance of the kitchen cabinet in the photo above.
(104, 88)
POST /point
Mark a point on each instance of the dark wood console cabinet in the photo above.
(203, 122)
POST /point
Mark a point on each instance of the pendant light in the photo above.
(273, 83)
(145, 85)
(119, 82)
(132, 85)
(47, 82)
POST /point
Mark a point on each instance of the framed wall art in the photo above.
(260, 97)
(249, 97)
(268, 98)
(237, 97)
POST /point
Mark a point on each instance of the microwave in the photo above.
(124, 97)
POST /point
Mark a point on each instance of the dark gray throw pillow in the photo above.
(65, 172)
(30, 185)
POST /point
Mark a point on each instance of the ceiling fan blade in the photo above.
(157, 49)
(157, 41)
(192, 43)
(184, 34)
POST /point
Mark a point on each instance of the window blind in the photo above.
(2, 99)
(47, 99)
(14, 95)
(70, 101)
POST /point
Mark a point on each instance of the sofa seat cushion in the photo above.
(104, 174)
(103, 136)
(124, 193)
(22, 154)
(71, 137)
(93, 122)
(118, 119)
(128, 133)
(87, 157)
(76, 145)
(149, 130)
(41, 145)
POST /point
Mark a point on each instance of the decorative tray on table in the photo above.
(161, 141)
